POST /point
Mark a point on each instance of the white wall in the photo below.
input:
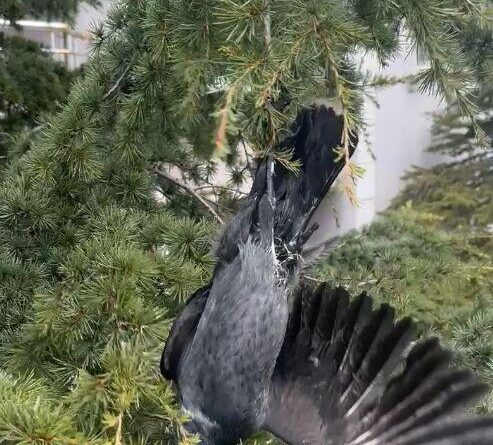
(399, 132)
(86, 18)
(88, 15)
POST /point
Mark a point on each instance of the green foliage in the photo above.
(459, 193)
(93, 329)
(404, 258)
(29, 413)
(472, 339)
(31, 83)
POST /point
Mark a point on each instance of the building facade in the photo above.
(68, 44)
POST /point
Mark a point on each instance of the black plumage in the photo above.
(256, 349)
(353, 375)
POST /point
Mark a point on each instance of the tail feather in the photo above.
(315, 134)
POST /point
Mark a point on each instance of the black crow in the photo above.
(257, 348)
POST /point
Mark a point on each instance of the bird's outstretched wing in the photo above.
(351, 375)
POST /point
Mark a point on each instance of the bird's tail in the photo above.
(284, 200)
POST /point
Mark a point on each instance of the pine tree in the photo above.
(31, 82)
(92, 265)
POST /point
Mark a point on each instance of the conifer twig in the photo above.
(223, 120)
(348, 177)
(221, 187)
(118, 82)
(118, 435)
(249, 166)
(189, 190)
(267, 26)
(220, 138)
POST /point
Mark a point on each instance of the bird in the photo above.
(261, 348)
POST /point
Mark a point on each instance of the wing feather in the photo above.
(182, 332)
(351, 375)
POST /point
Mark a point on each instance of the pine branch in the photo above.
(221, 187)
(267, 26)
(118, 433)
(189, 190)
(116, 85)
(217, 204)
(284, 66)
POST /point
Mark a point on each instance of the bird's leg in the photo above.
(272, 201)
(269, 181)
(291, 254)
